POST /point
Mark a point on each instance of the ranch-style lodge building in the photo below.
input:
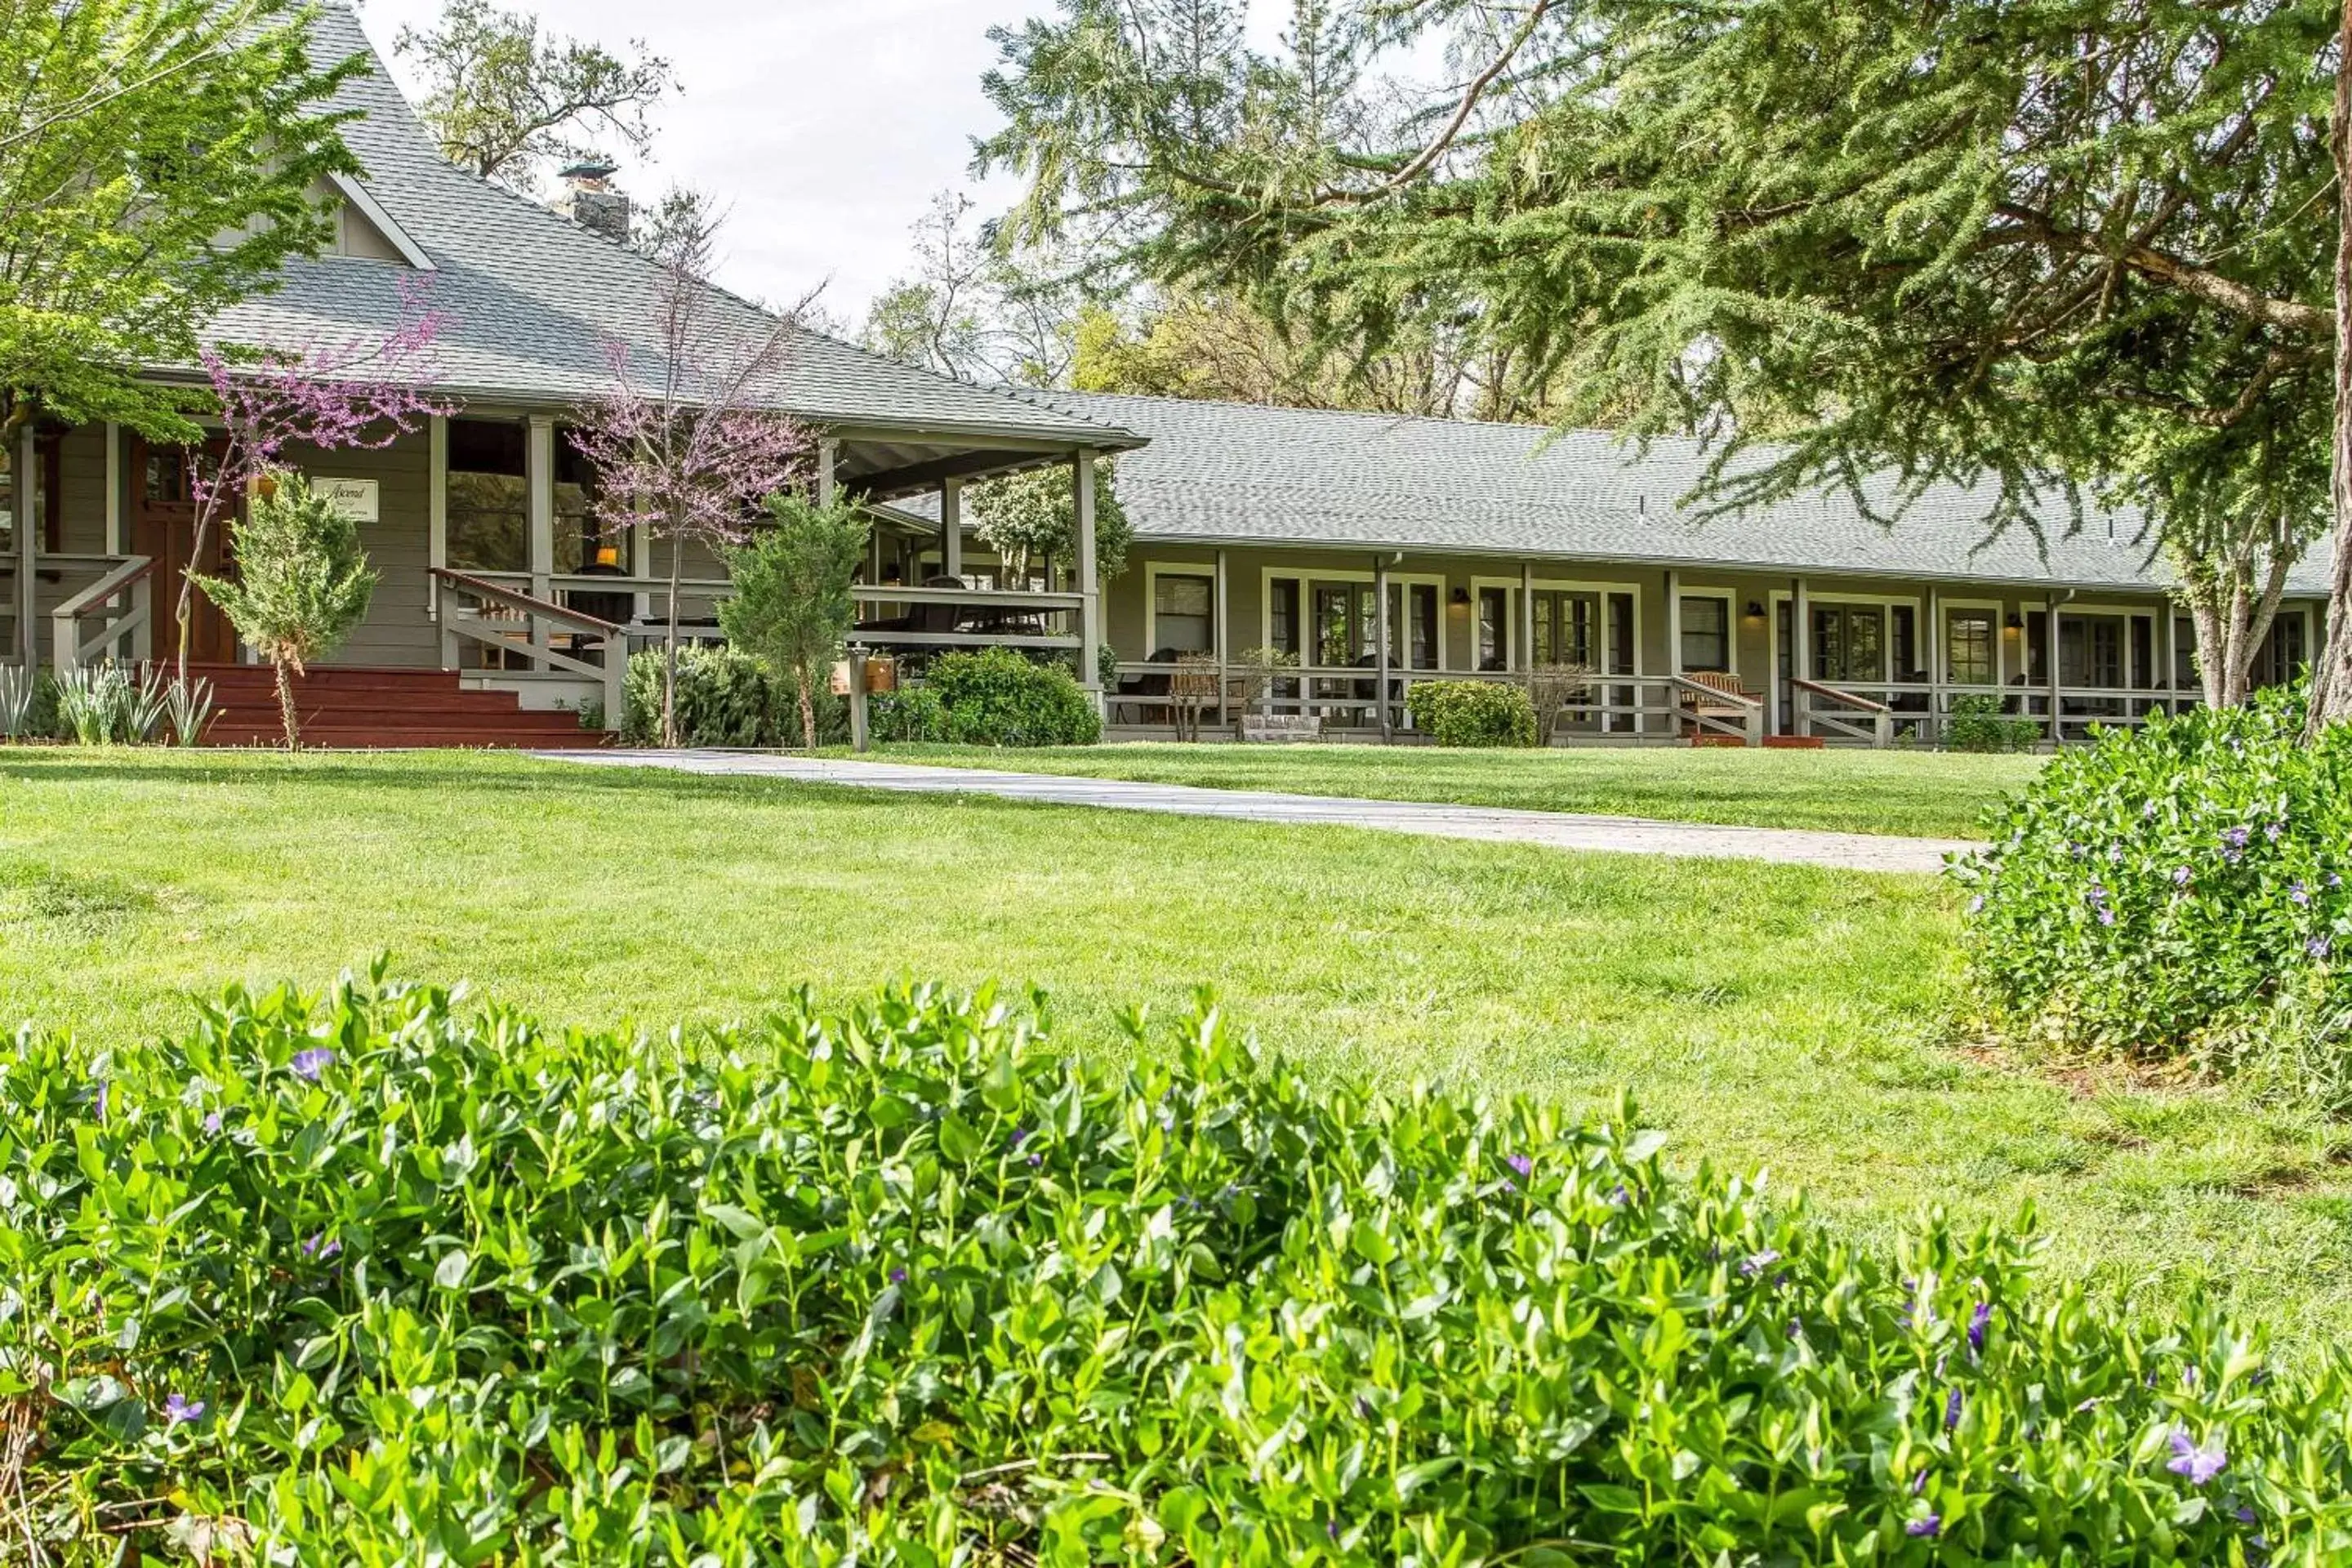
(1374, 551)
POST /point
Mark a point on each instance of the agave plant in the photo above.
(145, 705)
(19, 688)
(187, 707)
(93, 701)
(103, 705)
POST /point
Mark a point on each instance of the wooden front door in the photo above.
(162, 527)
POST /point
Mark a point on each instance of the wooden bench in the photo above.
(1738, 701)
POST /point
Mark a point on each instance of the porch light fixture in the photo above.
(1460, 601)
(608, 556)
(1754, 613)
(2014, 625)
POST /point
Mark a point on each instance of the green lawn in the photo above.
(1766, 1015)
(1934, 794)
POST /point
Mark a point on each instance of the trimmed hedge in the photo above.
(994, 697)
(726, 697)
(2177, 891)
(1472, 713)
(383, 1277)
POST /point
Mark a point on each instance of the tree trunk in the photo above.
(669, 648)
(2331, 693)
(286, 706)
(808, 706)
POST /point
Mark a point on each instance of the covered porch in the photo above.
(494, 568)
(1641, 654)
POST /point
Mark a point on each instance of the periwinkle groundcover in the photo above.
(2180, 893)
(387, 1276)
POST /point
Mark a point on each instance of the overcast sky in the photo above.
(824, 125)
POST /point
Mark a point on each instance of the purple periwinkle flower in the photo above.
(1619, 1197)
(2271, 830)
(105, 1095)
(1976, 905)
(1926, 1527)
(179, 1407)
(1755, 1263)
(1522, 1164)
(2297, 893)
(897, 1277)
(213, 1122)
(321, 1244)
(2334, 880)
(310, 1064)
(2319, 947)
(2233, 844)
(1919, 1483)
(2200, 1464)
(1978, 1322)
(1331, 1527)
(2182, 876)
(1952, 1410)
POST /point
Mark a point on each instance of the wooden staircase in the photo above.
(357, 707)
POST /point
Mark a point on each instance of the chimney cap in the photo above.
(590, 169)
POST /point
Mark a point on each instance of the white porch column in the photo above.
(1673, 661)
(952, 527)
(1224, 644)
(1800, 655)
(1380, 649)
(118, 527)
(28, 632)
(1090, 590)
(1935, 666)
(1527, 624)
(2057, 687)
(539, 503)
(828, 453)
(437, 524)
(2171, 657)
(1674, 622)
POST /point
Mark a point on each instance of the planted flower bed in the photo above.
(386, 1278)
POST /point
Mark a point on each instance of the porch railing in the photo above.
(515, 626)
(1922, 711)
(1346, 699)
(121, 603)
(928, 617)
(1844, 714)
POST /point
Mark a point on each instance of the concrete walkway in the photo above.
(1557, 830)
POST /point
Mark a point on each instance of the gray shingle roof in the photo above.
(536, 300)
(1239, 473)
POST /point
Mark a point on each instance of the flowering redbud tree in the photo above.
(689, 455)
(358, 394)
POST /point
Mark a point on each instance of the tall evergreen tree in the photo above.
(2062, 247)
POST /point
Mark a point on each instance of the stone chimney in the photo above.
(589, 199)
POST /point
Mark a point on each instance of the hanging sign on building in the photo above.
(355, 498)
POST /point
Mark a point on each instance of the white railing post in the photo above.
(616, 680)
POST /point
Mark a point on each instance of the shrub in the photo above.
(912, 715)
(380, 1279)
(1977, 723)
(302, 584)
(1472, 713)
(994, 697)
(2164, 892)
(725, 697)
(792, 605)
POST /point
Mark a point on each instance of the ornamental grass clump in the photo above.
(2178, 894)
(386, 1276)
